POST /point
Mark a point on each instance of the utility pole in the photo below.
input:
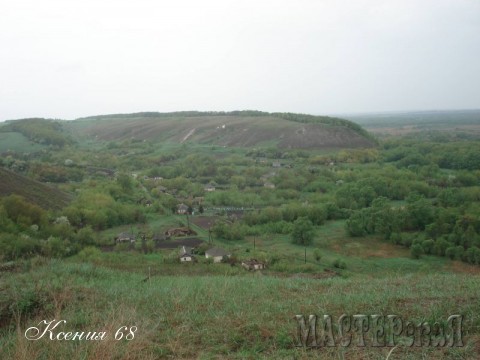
(305, 254)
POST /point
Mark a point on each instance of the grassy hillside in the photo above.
(213, 317)
(235, 129)
(35, 192)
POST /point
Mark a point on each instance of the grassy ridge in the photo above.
(210, 317)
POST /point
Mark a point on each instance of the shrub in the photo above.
(90, 253)
(428, 246)
(416, 251)
(339, 264)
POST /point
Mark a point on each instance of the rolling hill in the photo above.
(236, 129)
(33, 191)
(402, 123)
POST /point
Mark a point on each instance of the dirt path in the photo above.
(190, 133)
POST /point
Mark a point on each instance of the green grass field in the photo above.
(14, 141)
(221, 317)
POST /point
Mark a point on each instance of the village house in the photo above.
(269, 185)
(125, 237)
(160, 237)
(198, 200)
(267, 176)
(217, 254)
(186, 254)
(253, 264)
(209, 188)
(161, 189)
(181, 231)
(182, 209)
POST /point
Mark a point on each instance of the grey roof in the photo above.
(126, 235)
(158, 237)
(185, 251)
(216, 252)
(253, 262)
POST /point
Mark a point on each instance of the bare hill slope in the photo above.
(33, 191)
(241, 128)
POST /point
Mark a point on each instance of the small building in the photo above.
(160, 237)
(182, 209)
(209, 188)
(276, 164)
(181, 231)
(269, 185)
(253, 264)
(186, 254)
(217, 254)
(198, 200)
(125, 237)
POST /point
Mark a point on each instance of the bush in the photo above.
(339, 264)
(13, 247)
(396, 238)
(428, 246)
(90, 253)
(56, 247)
(472, 255)
(416, 251)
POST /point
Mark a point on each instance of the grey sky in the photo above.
(67, 59)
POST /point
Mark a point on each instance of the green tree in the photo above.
(125, 182)
(303, 231)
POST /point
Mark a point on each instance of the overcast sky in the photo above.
(73, 58)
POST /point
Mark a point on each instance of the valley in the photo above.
(111, 221)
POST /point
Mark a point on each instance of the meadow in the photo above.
(241, 316)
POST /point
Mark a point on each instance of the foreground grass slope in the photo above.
(213, 317)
